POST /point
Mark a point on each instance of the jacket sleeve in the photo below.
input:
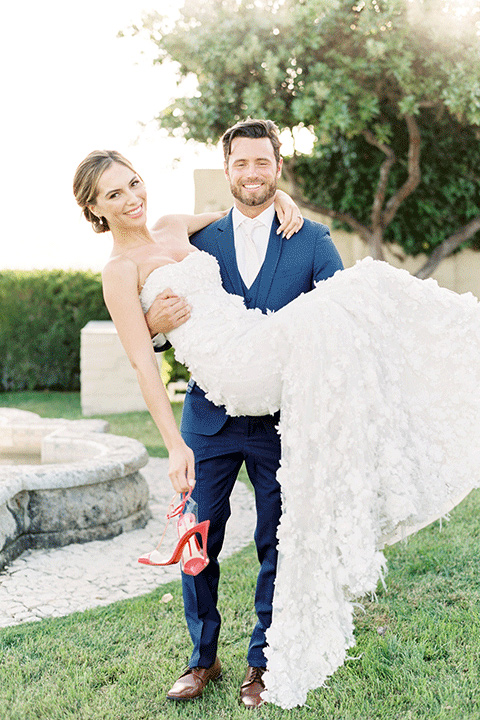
(327, 258)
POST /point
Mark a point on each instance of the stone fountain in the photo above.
(66, 481)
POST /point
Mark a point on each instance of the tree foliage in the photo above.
(390, 90)
(344, 175)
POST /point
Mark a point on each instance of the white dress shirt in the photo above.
(259, 233)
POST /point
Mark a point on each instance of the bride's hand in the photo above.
(181, 468)
(289, 214)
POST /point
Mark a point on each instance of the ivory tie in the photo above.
(252, 262)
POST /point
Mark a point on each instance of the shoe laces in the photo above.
(255, 675)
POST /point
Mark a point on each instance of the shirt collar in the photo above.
(265, 217)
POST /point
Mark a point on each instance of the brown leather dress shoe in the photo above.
(251, 688)
(193, 682)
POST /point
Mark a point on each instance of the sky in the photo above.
(69, 86)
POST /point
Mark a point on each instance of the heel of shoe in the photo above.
(194, 558)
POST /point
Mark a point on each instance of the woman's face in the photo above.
(121, 198)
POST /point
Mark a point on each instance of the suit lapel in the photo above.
(272, 257)
(226, 255)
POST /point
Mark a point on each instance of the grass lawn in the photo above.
(418, 642)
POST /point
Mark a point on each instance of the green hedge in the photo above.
(41, 315)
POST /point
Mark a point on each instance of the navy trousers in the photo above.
(218, 461)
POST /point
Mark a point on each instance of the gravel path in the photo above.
(56, 582)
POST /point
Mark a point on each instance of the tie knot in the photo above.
(249, 225)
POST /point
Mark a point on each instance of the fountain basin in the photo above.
(87, 485)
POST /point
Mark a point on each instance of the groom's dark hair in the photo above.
(252, 129)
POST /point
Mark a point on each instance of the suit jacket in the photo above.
(291, 267)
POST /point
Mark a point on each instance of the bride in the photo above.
(376, 374)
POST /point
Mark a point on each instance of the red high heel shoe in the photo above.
(194, 559)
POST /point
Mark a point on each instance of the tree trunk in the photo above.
(448, 246)
(375, 243)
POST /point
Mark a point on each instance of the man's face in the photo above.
(252, 172)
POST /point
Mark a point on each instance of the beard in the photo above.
(264, 193)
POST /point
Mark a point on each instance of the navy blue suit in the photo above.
(222, 443)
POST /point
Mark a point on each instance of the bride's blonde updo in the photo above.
(85, 182)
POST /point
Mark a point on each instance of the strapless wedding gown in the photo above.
(377, 376)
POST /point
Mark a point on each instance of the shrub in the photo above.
(172, 370)
(41, 315)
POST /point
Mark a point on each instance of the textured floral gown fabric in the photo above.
(377, 376)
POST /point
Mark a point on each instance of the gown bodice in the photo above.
(220, 343)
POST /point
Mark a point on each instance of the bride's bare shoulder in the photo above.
(168, 223)
(119, 269)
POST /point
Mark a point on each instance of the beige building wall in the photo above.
(461, 272)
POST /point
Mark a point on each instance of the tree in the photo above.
(389, 89)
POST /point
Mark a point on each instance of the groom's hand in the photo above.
(167, 312)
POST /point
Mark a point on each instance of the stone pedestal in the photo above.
(108, 381)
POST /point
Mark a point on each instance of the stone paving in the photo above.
(56, 582)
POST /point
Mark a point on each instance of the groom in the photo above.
(268, 271)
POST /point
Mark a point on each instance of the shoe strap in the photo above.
(175, 508)
(173, 511)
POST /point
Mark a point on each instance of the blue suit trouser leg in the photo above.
(214, 482)
(255, 441)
